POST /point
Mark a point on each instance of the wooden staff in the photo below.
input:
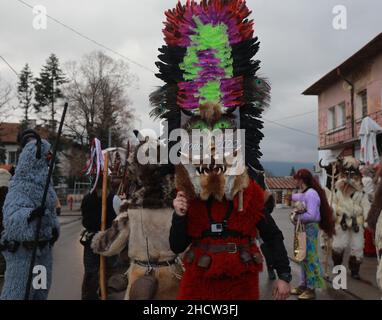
(102, 266)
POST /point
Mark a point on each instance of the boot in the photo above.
(337, 258)
(354, 266)
(298, 291)
(308, 294)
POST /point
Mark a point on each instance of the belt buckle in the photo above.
(232, 248)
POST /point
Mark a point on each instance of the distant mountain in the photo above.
(281, 169)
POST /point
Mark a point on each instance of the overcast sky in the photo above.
(298, 46)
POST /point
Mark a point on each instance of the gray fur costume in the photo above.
(25, 194)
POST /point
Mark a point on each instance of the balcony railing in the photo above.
(343, 134)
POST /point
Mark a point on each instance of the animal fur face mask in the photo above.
(213, 165)
(350, 178)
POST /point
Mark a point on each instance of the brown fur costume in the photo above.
(144, 223)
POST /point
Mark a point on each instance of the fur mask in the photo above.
(350, 177)
(215, 171)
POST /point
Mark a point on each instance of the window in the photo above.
(362, 104)
(337, 116)
(12, 157)
(331, 118)
(341, 115)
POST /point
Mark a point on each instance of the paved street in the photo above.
(68, 268)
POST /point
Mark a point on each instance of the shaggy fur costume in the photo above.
(25, 193)
(227, 277)
(134, 227)
(144, 215)
(350, 200)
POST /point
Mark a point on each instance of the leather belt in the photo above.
(154, 264)
(220, 248)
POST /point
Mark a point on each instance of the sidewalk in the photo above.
(366, 289)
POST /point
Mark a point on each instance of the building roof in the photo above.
(369, 51)
(9, 132)
(281, 183)
(7, 167)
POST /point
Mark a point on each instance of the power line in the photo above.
(91, 40)
(290, 128)
(296, 115)
(9, 65)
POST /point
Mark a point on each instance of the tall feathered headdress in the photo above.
(209, 58)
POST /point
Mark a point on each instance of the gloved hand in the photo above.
(38, 212)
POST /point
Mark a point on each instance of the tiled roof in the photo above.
(9, 132)
(281, 183)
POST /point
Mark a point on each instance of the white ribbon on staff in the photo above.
(97, 160)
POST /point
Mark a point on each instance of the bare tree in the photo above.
(5, 98)
(97, 93)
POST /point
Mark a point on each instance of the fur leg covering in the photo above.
(357, 244)
(341, 240)
(16, 274)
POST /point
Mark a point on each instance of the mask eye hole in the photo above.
(223, 124)
(199, 125)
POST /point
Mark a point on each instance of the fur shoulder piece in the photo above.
(113, 240)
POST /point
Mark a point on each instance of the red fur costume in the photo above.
(228, 277)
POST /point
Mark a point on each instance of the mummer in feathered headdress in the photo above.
(214, 94)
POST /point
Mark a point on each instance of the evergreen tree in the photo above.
(25, 93)
(48, 88)
(292, 172)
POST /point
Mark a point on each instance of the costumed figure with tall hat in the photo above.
(143, 225)
(21, 210)
(213, 90)
(350, 207)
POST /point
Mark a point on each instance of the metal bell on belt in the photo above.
(245, 257)
(190, 256)
(204, 261)
(258, 258)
